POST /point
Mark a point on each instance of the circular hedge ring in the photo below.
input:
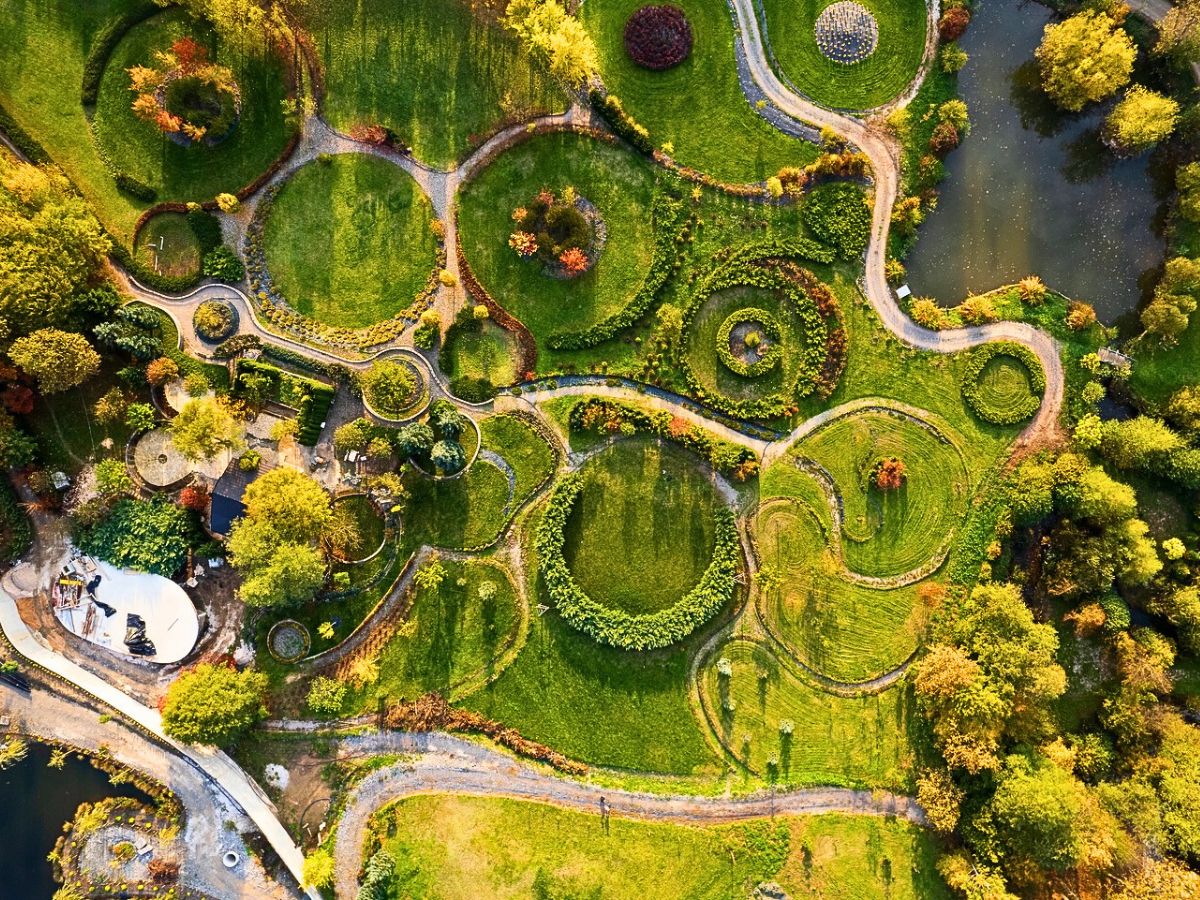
(1003, 383)
(215, 320)
(743, 332)
(288, 640)
(616, 627)
(658, 37)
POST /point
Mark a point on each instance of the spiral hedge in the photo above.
(1008, 409)
(617, 628)
(658, 37)
(771, 354)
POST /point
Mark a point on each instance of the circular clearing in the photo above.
(215, 320)
(846, 32)
(348, 240)
(157, 461)
(1003, 383)
(479, 357)
(167, 244)
(749, 342)
(658, 37)
(288, 640)
(367, 522)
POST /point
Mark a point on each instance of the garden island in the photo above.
(557, 449)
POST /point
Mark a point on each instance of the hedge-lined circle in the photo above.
(1003, 383)
(616, 627)
(658, 37)
(288, 640)
(767, 355)
(215, 320)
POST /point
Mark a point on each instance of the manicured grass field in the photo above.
(641, 533)
(863, 85)
(452, 846)
(489, 353)
(836, 740)
(348, 240)
(168, 244)
(620, 185)
(698, 106)
(442, 76)
(450, 635)
(370, 523)
(1005, 385)
(847, 631)
(190, 172)
(527, 452)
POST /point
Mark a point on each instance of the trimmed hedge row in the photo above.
(103, 44)
(784, 248)
(626, 126)
(977, 398)
(667, 221)
(773, 352)
(648, 631)
(315, 397)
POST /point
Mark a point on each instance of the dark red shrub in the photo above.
(194, 497)
(944, 139)
(953, 24)
(18, 399)
(658, 37)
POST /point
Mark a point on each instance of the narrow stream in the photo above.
(1032, 190)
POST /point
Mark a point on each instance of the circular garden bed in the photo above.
(394, 390)
(1003, 383)
(658, 37)
(846, 32)
(167, 245)
(215, 320)
(749, 342)
(288, 641)
(563, 230)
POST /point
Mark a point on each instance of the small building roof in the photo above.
(227, 494)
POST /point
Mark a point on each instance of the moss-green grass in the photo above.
(619, 183)
(368, 521)
(1005, 385)
(698, 106)
(863, 85)
(453, 846)
(524, 449)
(450, 635)
(641, 533)
(167, 243)
(836, 740)
(193, 172)
(842, 629)
(348, 240)
(489, 353)
(436, 73)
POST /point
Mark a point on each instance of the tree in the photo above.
(389, 385)
(1103, 500)
(448, 456)
(354, 435)
(890, 474)
(1179, 32)
(1085, 59)
(148, 535)
(59, 360)
(296, 507)
(1142, 119)
(431, 575)
(1157, 879)
(204, 428)
(110, 409)
(1167, 317)
(414, 439)
(1138, 443)
(953, 23)
(318, 869)
(160, 371)
(289, 573)
(140, 417)
(326, 695)
(941, 799)
(558, 38)
(53, 246)
(111, 478)
(214, 704)
(1187, 182)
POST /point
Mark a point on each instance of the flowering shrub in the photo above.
(562, 230)
(658, 37)
(574, 261)
(524, 243)
(184, 95)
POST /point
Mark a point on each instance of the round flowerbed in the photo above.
(215, 320)
(658, 37)
(617, 627)
(187, 97)
(749, 342)
(846, 32)
(563, 230)
(288, 641)
(394, 389)
(1003, 383)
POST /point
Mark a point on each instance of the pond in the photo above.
(1032, 190)
(35, 802)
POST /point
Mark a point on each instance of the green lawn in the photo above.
(441, 75)
(698, 106)
(524, 449)
(68, 434)
(370, 523)
(348, 240)
(1005, 384)
(450, 635)
(168, 244)
(453, 846)
(836, 741)
(863, 85)
(620, 185)
(641, 533)
(195, 172)
(489, 353)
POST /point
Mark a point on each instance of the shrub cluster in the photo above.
(658, 37)
(977, 397)
(837, 214)
(611, 417)
(214, 320)
(771, 354)
(626, 126)
(616, 627)
(16, 528)
(311, 399)
(667, 221)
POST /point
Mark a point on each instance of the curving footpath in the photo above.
(448, 765)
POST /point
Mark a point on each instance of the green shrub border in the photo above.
(771, 356)
(981, 404)
(26, 143)
(648, 631)
(103, 44)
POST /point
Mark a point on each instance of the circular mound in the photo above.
(288, 640)
(846, 32)
(658, 37)
(215, 320)
(565, 231)
(1003, 383)
(398, 410)
(749, 342)
(369, 523)
(167, 244)
(348, 241)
